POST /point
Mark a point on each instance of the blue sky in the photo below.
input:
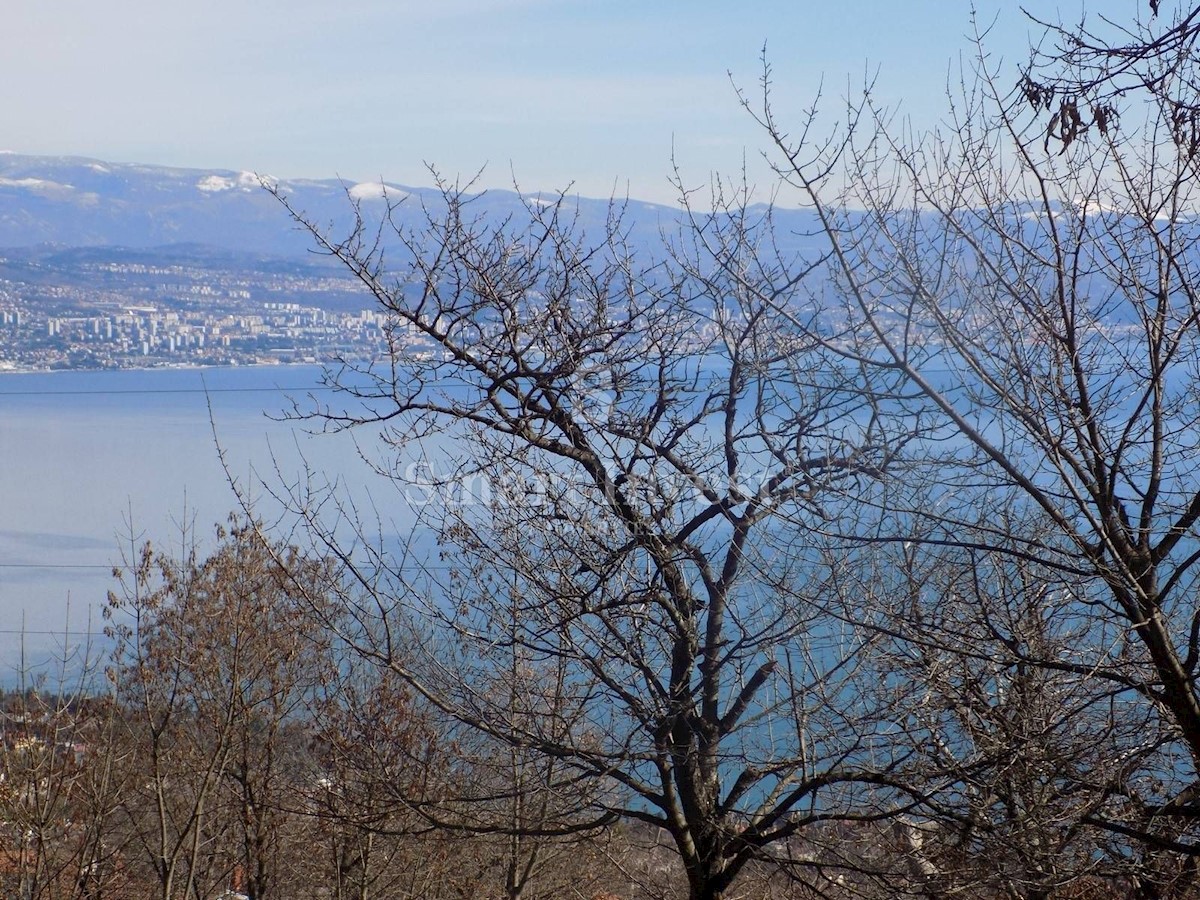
(594, 93)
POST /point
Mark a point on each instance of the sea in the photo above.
(93, 464)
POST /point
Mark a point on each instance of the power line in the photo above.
(108, 567)
(8, 565)
(55, 632)
(201, 391)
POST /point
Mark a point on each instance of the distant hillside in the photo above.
(79, 202)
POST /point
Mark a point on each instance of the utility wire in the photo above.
(56, 632)
(692, 384)
(12, 565)
(108, 567)
(202, 391)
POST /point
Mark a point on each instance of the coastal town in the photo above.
(124, 311)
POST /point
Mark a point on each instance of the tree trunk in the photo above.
(709, 881)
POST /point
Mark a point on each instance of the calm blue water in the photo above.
(85, 456)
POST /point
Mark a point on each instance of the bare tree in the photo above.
(1082, 73)
(168, 809)
(1040, 304)
(1023, 755)
(623, 459)
(60, 783)
(215, 667)
(379, 761)
(509, 796)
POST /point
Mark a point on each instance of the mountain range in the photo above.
(80, 202)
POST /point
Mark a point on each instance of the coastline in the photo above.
(7, 368)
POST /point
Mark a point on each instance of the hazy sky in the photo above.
(590, 92)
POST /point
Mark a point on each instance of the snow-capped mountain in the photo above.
(79, 202)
